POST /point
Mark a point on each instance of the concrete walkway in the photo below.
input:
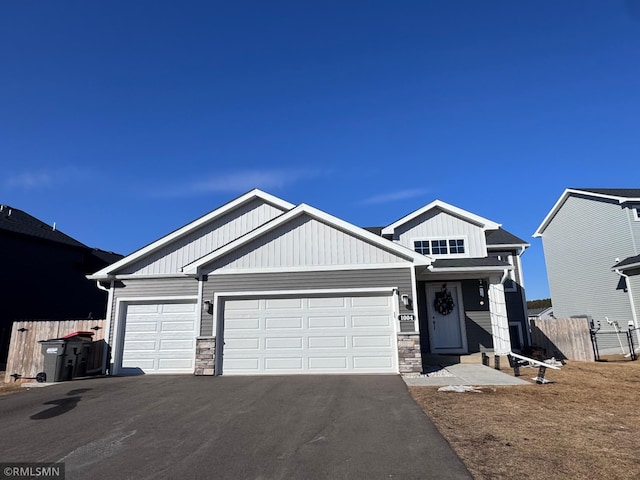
(463, 374)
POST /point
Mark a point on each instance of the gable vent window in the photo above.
(439, 247)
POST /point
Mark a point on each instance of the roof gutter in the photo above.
(433, 269)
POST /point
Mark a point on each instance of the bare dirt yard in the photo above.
(585, 425)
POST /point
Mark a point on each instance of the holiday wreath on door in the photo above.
(443, 303)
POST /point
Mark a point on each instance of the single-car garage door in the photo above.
(159, 338)
(337, 334)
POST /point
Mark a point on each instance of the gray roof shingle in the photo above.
(502, 237)
(615, 192)
(19, 222)
(628, 261)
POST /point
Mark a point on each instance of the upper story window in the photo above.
(440, 246)
(636, 213)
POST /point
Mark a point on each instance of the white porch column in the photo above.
(499, 319)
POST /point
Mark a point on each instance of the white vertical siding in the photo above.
(305, 242)
(581, 244)
(206, 239)
(437, 223)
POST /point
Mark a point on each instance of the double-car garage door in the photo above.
(351, 333)
(321, 334)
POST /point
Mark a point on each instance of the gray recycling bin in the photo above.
(66, 358)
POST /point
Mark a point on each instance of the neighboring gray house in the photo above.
(260, 286)
(591, 240)
(544, 313)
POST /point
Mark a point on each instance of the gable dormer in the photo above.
(440, 230)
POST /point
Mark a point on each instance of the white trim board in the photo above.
(330, 220)
(485, 223)
(319, 268)
(576, 191)
(243, 199)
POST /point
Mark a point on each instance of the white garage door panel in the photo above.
(159, 338)
(328, 363)
(313, 335)
(365, 363)
(280, 323)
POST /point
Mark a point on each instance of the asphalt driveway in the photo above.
(154, 427)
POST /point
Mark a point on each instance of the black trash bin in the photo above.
(66, 358)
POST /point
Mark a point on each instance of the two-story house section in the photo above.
(591, 240)
(477, 265)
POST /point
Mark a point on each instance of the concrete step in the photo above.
(471, 358)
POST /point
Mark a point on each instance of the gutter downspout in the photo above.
(107, 332)
(505, 275)
(525, 309)
(631, 302)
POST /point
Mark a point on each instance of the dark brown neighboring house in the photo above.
(42, 274)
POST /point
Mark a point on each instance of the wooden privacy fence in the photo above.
(566, 338)
(25, 353)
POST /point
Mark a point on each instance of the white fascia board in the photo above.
(485, 223)
(316, 268)
(502, 246)
(107, 271)
(416, 258)
(135, 276)
(432, 269)
(621, 200)
(604, 195)
(540, 230)
(626, 267)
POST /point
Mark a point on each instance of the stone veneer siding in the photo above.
(409, 354)
(205, 356)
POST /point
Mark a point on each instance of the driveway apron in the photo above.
(269, 427)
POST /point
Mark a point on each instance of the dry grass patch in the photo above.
(583, 426)
(7, 388)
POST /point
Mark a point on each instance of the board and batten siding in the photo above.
(308, 280)
(581, 244)
(152, 288)
(304, 242)
(439, 224)
(204, 240)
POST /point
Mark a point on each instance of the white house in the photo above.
(261, 286)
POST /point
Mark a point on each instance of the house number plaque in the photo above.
(407, 317)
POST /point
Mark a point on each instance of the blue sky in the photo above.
(123, 120)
